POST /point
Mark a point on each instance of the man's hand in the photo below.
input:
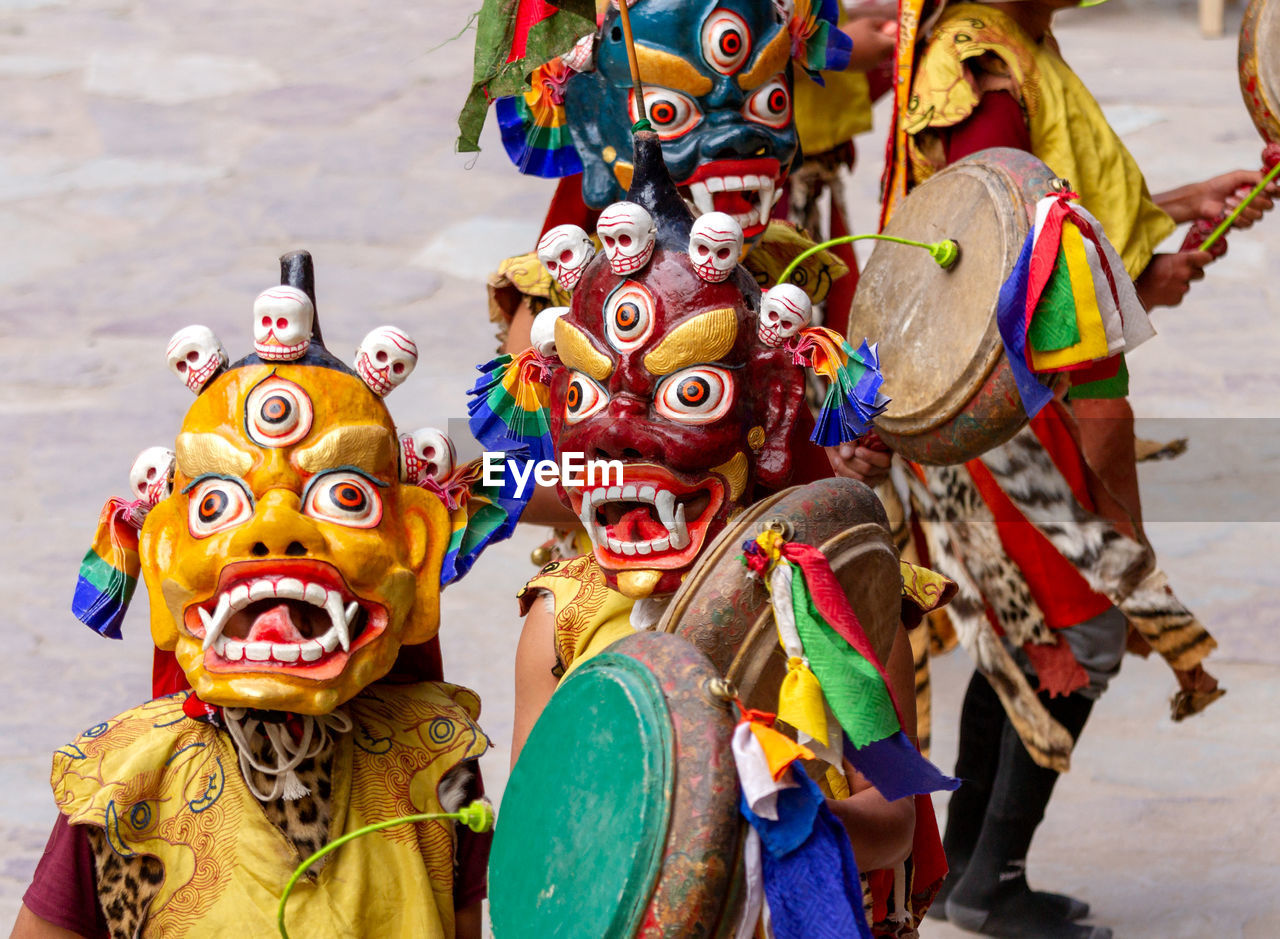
(1218, 196)
(863, 461)
(1169, 276)
(874, 39)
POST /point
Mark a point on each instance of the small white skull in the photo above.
(151, 478)
(426, 453)
(784, 311)
(565, 252)
(195, 354)
(579, 58)
(282, 318)
(385, 358)
(628, 233)
(715, 244)
(542, 334)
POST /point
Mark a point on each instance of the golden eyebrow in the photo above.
(771, 60)
(364, 446)
(704, 338)
(670, 71)
(201, 454)
(577, 352)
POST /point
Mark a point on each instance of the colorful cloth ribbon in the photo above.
(535, 129)
(1068, 305)
(854, 380)
(109, 570)
(817, 43)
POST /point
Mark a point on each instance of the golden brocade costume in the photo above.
(974, 49)
(590, 616)
(162, 784)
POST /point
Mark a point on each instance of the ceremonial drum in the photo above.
(621, 817)
(1260, 66)
(953, 393)
(727, 615)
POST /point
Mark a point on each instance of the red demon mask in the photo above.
(665, 375)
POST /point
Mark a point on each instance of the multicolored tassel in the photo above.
(109, 571)
(508, 415)
(854, 380)
(535, 129)
(1068, 305)
(509, 404)
(817, 44)
(819, 630)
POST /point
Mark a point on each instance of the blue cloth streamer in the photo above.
(895, 767)
(813, 890)
(797, 808)
(1011, 316)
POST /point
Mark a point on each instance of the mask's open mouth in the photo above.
(653, 521)
(295, 616)
(745, 189)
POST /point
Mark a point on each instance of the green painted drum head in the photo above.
(620, 785)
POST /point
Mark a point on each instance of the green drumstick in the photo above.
(944, 252)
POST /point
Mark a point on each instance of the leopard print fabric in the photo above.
(127, 885)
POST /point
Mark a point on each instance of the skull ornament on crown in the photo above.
(282, 320)
(662, 371)
(628, 234)
(286, 559)
(195, 355)
(565, 252)
(385, 358)
(715, 245)
(785, 310)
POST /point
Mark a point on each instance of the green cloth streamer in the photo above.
(852, 685)
(1053, 325)
(1117, 386)
(494, 77)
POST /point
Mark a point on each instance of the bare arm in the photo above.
(30, 926)
(535, 683)
(518, 333)
(468, 922)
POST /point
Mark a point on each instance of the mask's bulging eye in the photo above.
(726, 41)
(628, 316)
(583, 398)
(344, 497)
(216, 504)
(770, 104)
(278, 413)
(671, 113)
(697, 395)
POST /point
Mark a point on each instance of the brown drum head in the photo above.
(939, 341)
(1260, 66)
(728, 615)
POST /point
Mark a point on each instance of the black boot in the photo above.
(992, 896)
(982, 719)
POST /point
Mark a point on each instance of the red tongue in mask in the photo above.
(637, 525)
(734, 203)
(275, 625)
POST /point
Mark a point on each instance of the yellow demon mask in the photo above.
(290, 562)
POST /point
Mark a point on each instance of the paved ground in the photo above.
(156, 157)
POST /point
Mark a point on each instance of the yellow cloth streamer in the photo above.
(800, 701)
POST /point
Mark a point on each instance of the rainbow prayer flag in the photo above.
(535, 129)
(109, 571)
(854, 380)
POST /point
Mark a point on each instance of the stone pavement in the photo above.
(156, 156)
